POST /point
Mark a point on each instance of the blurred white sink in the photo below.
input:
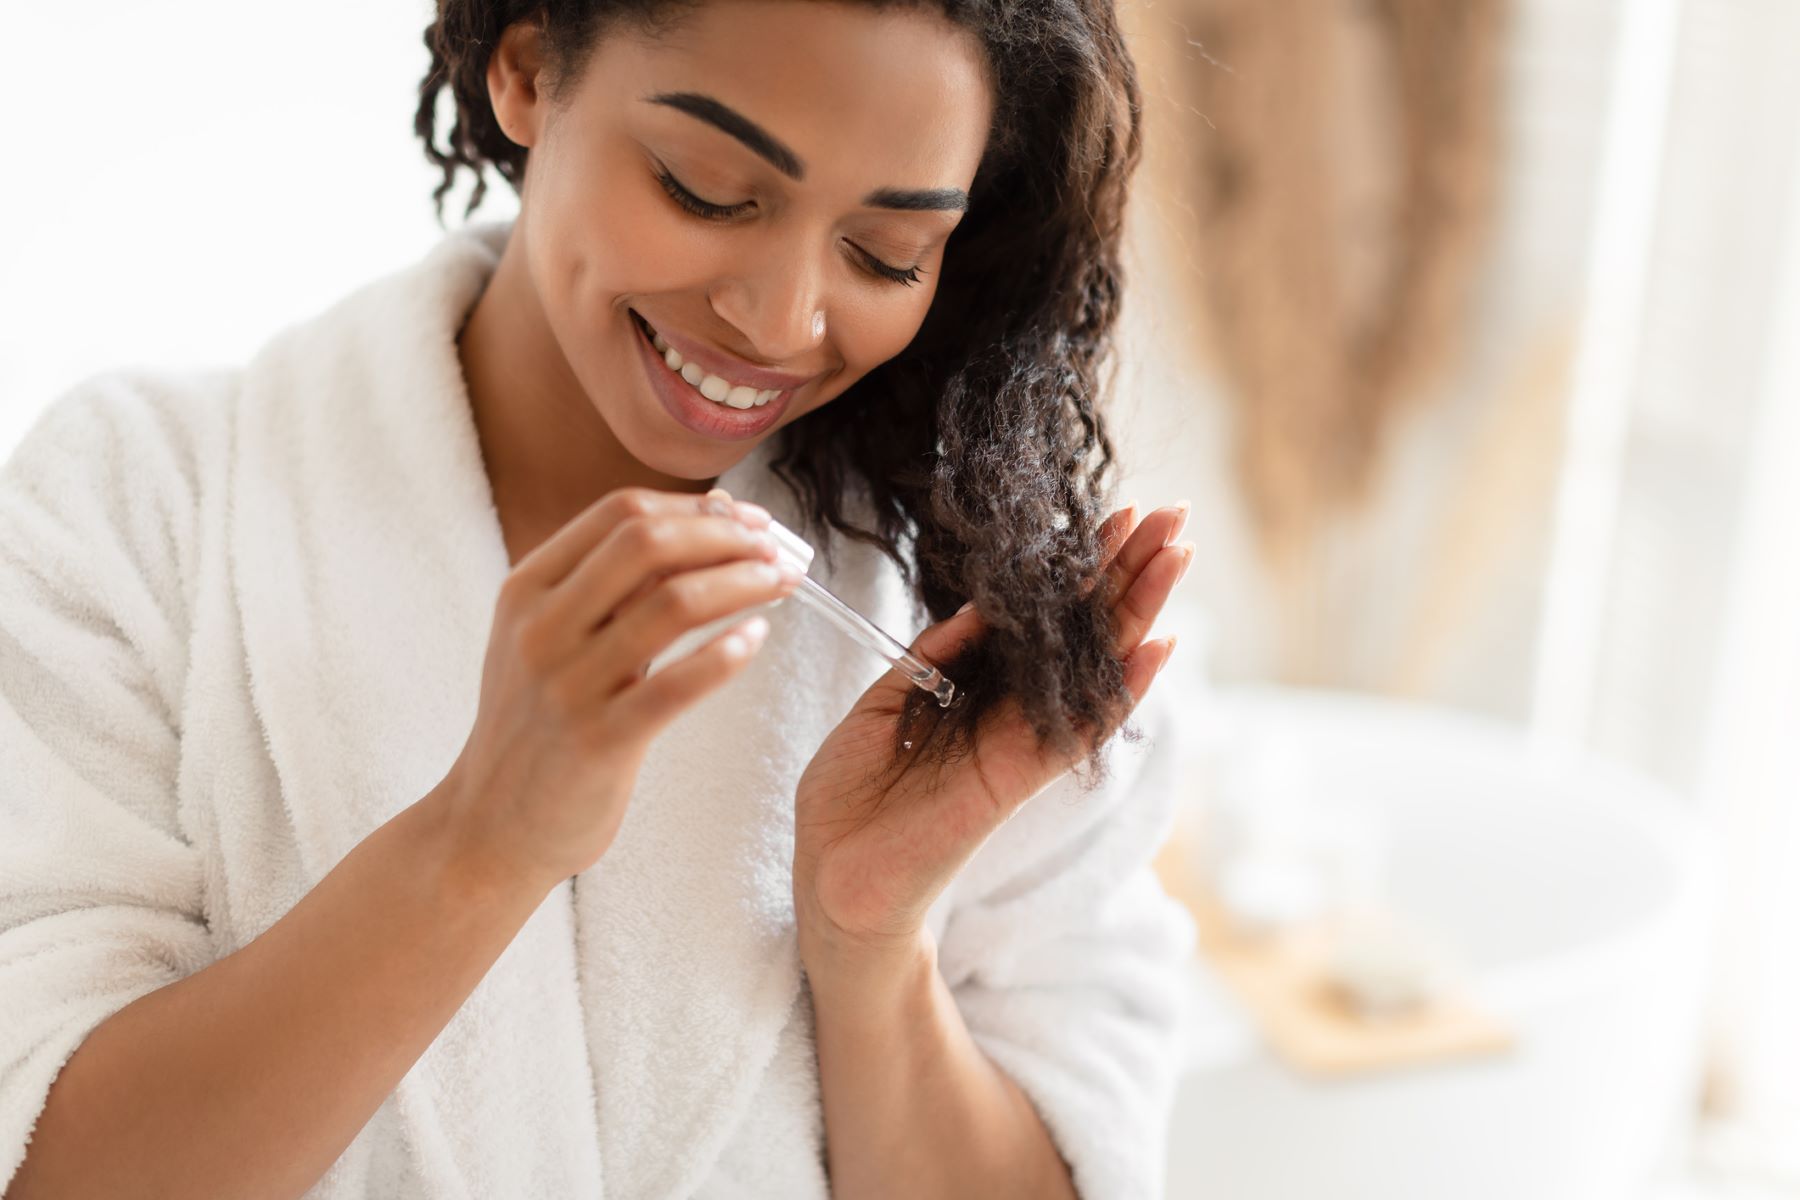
(1578, 894)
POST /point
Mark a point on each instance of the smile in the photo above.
(714, 387)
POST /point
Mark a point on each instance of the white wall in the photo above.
(181, 180)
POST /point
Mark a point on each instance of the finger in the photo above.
(551, 561)
(637, 555)
(1154, 532)
(1144, 664)
(936, 643)
(1116, 528)
(644, 708)
(616, 654)
(1113, 533)
(1139, 607)
(944, 640)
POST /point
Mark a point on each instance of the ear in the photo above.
(515, 79)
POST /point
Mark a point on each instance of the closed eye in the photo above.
(694, 204)
(908, 275)
(706, 209)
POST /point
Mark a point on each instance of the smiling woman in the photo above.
(369, 912)
(893, 246)
(760, 243)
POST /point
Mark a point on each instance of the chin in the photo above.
(674, 452)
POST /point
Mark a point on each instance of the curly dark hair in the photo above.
(981, 446)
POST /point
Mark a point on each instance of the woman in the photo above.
(350, 848)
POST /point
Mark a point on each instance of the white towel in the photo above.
(242, 622)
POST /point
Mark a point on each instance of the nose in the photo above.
(777, 301)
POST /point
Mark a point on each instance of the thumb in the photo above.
(935, 644)
(943, 641)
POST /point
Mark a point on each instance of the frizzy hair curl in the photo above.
(981, 447)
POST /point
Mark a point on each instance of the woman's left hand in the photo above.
(872, 850)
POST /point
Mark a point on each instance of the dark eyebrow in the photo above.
(722, 116)
(918, 201)
(729, 119)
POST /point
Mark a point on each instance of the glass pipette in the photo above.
(818, 597)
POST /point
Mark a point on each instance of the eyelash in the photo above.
(694, 204)
(722, 212)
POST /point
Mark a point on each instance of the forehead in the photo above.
(853, 90)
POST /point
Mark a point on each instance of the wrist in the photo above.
(467, 863)
(837, 965)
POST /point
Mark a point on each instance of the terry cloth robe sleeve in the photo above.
(1065, 956)
(100, 893)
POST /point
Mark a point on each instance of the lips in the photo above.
(695, 412)
(712, 361)
(713, 386)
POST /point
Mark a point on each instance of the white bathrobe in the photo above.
(243, 616)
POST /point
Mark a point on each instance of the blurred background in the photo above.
(1472, 330)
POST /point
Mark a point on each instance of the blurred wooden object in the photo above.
(1279, 981)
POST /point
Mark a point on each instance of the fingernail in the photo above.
(1181, 515)
(754, 515)
(749, 635)
(1169, 653)
(1187, 560)
(790, 572)
(967, 605)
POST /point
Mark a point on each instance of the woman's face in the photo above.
(768, 185)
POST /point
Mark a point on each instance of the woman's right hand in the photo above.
(566, 710)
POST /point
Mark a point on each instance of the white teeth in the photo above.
(713, 387)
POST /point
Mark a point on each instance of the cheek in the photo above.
(599, 235)
(877, 324)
